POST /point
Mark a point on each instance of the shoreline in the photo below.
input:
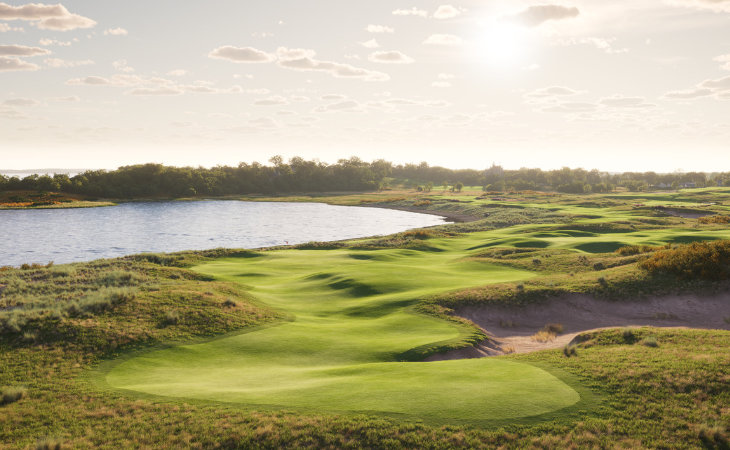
(448, 215)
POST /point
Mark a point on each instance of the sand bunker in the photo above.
(511, 329)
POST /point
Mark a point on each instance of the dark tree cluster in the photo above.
(565, 180)
(353, 174)
(156, 180)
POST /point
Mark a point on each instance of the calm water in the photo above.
(69, 235)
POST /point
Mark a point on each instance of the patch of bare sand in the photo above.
(510, 329)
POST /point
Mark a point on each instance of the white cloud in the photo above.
(443, 39)
(411, 12)
(379, 29)
(20, 102)
(604, 44)
(155, 91)
(122, 66)
(45, 17)
(571, 107)
(390, 57)
(552, 91)
(4, 28)
(48, 42)
(177, 73)
(61, 63)
(115, 32)
(441, 84)
(307, 62)
(713, 5)
(720, 84)
(688, 94)
(447, 12)
(69, 99)
(372, 43)
(446, 76)
(22, 50)
(272, 101)
(12, 64)
(241, 54)
(343, 106)
(332, 97)
(619, 101)
(725, 60)
(536, 15)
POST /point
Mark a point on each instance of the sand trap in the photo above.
(511, 328)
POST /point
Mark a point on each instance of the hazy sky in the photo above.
(615, 85)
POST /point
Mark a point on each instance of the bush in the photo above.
(570, 350)
(48, 443)
(699, 260)
(721, 220)
(9, 394)
(229, 303)
(649, 341)
(172, 317)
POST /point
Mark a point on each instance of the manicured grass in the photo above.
(352, 323)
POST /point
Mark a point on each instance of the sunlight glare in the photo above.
(501, 44)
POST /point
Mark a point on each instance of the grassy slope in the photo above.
(352, 322)
(673, 395)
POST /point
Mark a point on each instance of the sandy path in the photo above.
(511, 328)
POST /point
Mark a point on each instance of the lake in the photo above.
(83, 234)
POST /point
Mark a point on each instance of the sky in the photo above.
(615, 85)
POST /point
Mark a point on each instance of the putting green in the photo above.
(352, 320)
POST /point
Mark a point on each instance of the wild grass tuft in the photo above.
(11, 394)
(49, 443)
(649, 341)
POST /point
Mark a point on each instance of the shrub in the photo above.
(721, 220)
(172, 317)
(229, 303)
(9, 394)
(48, 443)
(714, 437)
(554, 328)
(628, 335)
(699, 260)
(570, 350)
(649, 341)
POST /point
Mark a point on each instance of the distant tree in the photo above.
(459, 186)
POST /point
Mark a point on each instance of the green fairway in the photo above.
(352, 322)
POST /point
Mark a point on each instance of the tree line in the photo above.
(353, 174)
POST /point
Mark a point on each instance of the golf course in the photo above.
(543, 320)
(351, 322)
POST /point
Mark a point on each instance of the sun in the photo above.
(501, 44)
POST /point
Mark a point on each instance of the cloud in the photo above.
(4, 28)
(304, 60)
(8, 64)
(69, 99)
(272, 101)
(444, 12)
(177, 73)
(536, 15)
(725, 60)
(441, 84)
(48, 42)
(20, 102)
(714, 5)
(443, 39)
(241, 54)
(552, 91)
(297, 59)
(372, 43)
(600, 43)
(688, 94)
(330, 97)
(379, 29)
(571, 107)
(411, 12)
(390, 57)
(115, 32)
(720, 84)
(155, 91)
(61, 63)
(343, 106)
(22, 50)
(619, 101)
(45, 17)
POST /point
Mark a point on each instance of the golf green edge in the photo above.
(353, 317)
